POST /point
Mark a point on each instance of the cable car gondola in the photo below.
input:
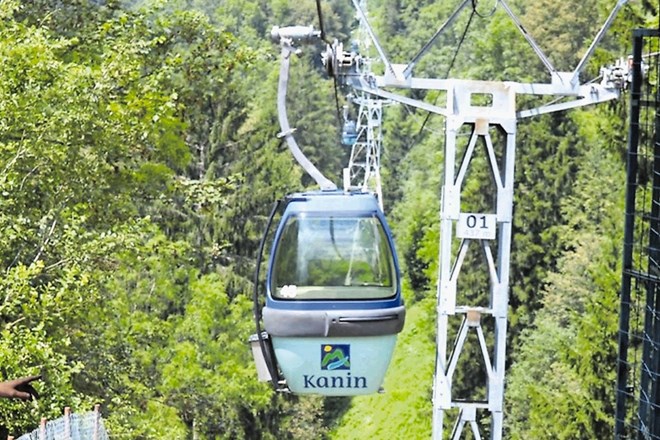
(333, 298)
(349, 133)
(333, 304)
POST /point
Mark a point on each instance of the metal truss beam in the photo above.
(483, 228)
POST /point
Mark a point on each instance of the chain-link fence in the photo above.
(638, 368)
(85, 426)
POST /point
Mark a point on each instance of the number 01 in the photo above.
(472, 221)
(476, 226)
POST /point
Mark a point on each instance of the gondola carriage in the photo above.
(333, 305)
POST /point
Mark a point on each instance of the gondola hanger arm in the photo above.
(286, 36)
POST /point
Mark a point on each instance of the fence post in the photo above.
(67, 423)
(97, 414)
(42, 429)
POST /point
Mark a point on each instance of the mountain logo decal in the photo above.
(335, 357)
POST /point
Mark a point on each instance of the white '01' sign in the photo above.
(476, 226)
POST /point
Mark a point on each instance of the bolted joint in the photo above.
(473, 318)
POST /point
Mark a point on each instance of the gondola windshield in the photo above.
(333, 257)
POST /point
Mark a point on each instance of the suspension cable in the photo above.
(319, 12)
(340, 118)
(451, 64)
(489, 14)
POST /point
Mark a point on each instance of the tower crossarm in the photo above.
(574, 95)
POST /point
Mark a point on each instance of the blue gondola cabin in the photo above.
(333, 306)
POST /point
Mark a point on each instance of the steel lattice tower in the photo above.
(363, 170)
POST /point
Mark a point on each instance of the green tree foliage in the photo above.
(139, 158)
(138, 161)
(561, 383)
(58, 130)
(181, 338)
(92, 139)
(417, 228)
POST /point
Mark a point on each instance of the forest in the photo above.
(139, 160)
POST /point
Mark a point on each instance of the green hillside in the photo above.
(403, 411)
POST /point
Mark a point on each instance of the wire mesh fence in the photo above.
(85, 426)
(638, 387)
